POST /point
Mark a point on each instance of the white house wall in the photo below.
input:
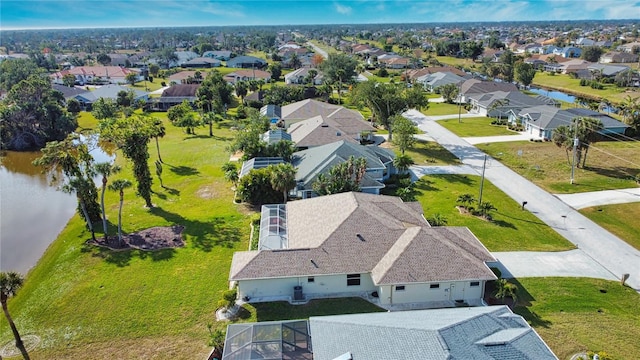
(321, 285)
(416, 293)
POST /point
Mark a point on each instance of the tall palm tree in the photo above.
(10, 283)
(105, 169)
(78, 186)
(158, 131)
(563, 138)
(402, 162)
(120, 185)
(283, 178)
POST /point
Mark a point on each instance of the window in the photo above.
(353, 279)
(399, 287)
(311, 279)
(434, 286)
(475, 283)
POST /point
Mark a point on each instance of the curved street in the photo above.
(596, 243)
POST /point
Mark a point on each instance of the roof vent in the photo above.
(324, 125)
(360, 237)
(338, 133)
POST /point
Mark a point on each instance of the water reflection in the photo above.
(32, 213)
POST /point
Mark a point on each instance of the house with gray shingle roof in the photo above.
(432, 81)
(109, 91)
(320, 159)
(356, 244)
(479, 333)
(541, 121)
(489, 104)
(482, 333)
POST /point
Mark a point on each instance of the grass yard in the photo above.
(85, 300)
(511, 229)
(281, 310)
(442, 109)
(620, 219)
(476, 126)
(580, 314)
(568, 84)
(429, 153)
(610, 165)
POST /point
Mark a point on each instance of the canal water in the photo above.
(558, 95)
(32, 213)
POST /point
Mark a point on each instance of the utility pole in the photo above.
(484, 167)
(459, 105)
(575, 148)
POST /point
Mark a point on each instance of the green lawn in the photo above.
(476, 126)
(579, 314)
(511, 229)
(281, 310)
(609, 165)
(83, 300)
(442, 109)
(429, 153)
(620, 219)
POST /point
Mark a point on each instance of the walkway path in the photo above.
(598, 244)
(596, 198)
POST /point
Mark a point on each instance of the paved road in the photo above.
(596, 198)
(604, 248)
(318, 50)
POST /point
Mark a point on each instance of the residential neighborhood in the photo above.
(405, 191)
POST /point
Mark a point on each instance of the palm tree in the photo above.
(241, 90)
(402, 162)
(485, 208)
(230, 172)
(466, 200)
(283, 178)
(120, 185)
(158, 131)
(79, 186)
(105, 169)
(437, 219)
(563, 138)
(10, 283)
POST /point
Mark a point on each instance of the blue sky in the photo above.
(42, 14)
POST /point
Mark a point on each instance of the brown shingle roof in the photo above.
(362, 233)
(181, 90)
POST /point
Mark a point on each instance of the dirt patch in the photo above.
(206, 192)
(155, 238)
(10, 350)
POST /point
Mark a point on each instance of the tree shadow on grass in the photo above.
(520, 219)
(204, 234)
(504, 224)
(424, 184)
(183, 170)
(617, 173)
(525, 302)
(122, 258)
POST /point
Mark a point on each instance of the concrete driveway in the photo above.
(604, 248)
(572, 263)
(597, 198)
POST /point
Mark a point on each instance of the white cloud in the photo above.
(344, 10)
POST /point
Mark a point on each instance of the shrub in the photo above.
(383, 72)
(584, 82)
(163, 84)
